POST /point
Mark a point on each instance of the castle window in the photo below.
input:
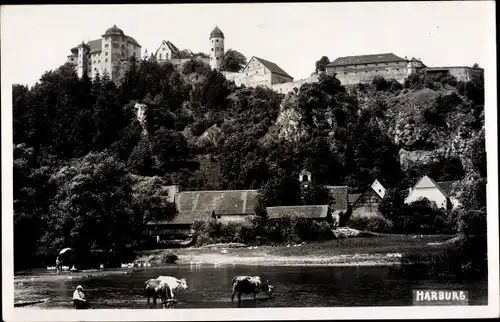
(217, 40)
(94, 62)
(106, 60)
(212, 49)
(397, 68)
(106, 45)
(99, 61)
(160, 56)
(106, 53)
(217, 58)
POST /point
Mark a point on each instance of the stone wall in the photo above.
(364, 73)
(461, 73)
(232, 76)
(286, 88)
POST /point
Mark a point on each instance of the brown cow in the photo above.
(249, 285)
(155, 288)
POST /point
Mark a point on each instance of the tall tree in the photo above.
(233, 61)
(321, 64)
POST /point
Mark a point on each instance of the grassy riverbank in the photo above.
(380, 250)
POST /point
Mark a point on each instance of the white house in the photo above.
(437, 192)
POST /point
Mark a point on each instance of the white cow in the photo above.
(174, 284)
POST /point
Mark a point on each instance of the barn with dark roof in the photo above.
(193, 206)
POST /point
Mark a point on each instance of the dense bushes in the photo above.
(418, 217)
(374, 223)
(463, 259)
(289, 229)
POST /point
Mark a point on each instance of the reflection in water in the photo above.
(210, 287)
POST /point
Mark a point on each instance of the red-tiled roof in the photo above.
(366, 59)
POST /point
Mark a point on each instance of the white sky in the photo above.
(293, 35)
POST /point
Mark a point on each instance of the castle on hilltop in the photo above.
(106, 54)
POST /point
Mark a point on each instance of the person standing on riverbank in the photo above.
(79, 298)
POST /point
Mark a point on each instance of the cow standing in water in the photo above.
(249, 285)
(155, 288)
(174, 284)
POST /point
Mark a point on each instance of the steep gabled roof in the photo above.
(353, 197)
(273, 68)
(446, 186)
(310, 212)
(170, 46)
(340, 197)
(432, 182)
(366, 59)
(95, 45)
(229, 202)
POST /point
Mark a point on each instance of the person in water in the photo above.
(79, 298)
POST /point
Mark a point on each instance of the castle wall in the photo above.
(235, 77)
(461, 73)
(178, 62)
(354, 74)
(285, 88)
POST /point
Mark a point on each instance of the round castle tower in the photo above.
(216, 48)
(83, 51)
(112, 50)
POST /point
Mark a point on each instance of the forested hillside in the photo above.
(84, 162)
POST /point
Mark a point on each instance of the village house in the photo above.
(330, 213)
(166, 51)
(193, 206)
(366, 203)
(436, 192)
(259, 72)
(339, 201)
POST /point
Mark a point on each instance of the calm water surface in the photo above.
(210, 287)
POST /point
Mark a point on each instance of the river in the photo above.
(210, 287)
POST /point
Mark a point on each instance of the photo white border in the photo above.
(19, 314)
